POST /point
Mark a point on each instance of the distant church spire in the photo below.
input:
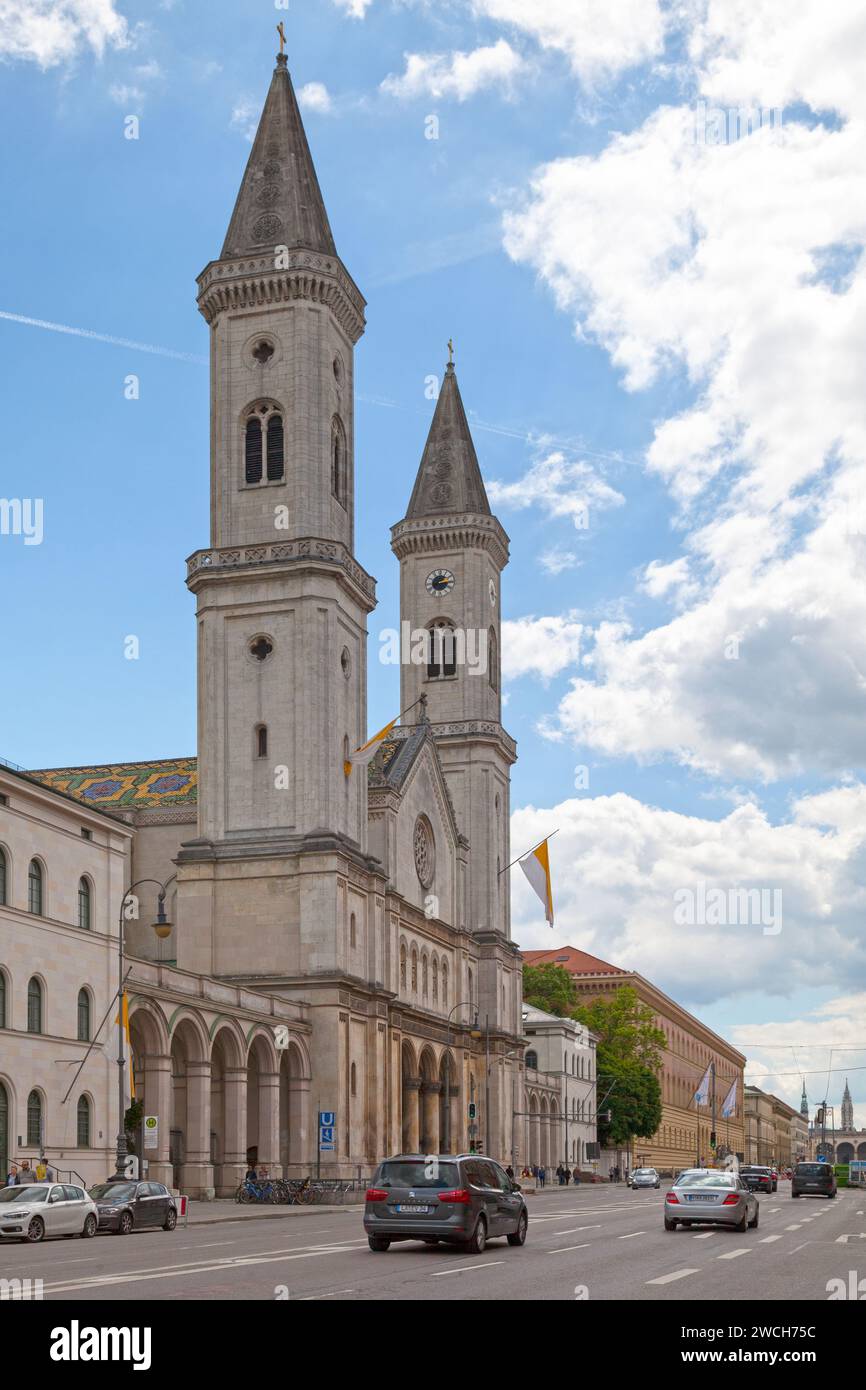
(804, 1104)
(847, 1108)
(280, 202)
(449, 478)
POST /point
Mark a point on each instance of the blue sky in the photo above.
(654, 328)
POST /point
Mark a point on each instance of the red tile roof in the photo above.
(574, 961)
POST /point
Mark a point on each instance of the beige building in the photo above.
(683, 1137)
(776, 1133)
(361, 907)
(558, 1123)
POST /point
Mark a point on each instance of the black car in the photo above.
(460, 1199)
(125, 1206)
(757, 1178)
(813, 1180)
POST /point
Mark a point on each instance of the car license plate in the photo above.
(412, 1210)
(700, 1198)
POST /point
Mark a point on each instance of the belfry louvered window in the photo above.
(264, 445)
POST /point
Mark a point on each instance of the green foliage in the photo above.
(133, 1117)
(551, 988)
(635, 1102)
(625, 1028)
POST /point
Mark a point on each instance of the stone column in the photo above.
(196, 1173)
(430, 1111)
(234, 1136)
(269, 1120)
(411, 1112)
(157, 1101)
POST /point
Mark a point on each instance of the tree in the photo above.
(551, 988)
(625, 1028)
(634, 1098)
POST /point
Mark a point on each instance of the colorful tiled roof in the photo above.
(128, 786)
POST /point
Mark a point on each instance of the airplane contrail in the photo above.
(104, 338)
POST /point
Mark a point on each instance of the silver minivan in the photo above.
(462, 1199)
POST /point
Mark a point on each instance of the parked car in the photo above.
(710, 1195)
(757, 1178)
(462, 1200)
(34, 1211)
(813, 1180)
(645, 1177)
(126, 1206)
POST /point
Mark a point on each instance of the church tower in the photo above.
(847, 1109)
(282, 603)
(452, 552)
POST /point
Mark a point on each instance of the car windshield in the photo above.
(112, 1191)
(811, 1170)
(750, 1168)
(23, 1194)
(704, 1180)
(645, 1172)
(418, 1173)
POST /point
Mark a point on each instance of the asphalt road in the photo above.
(590, 1242)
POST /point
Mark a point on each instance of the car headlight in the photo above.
(109, 1211)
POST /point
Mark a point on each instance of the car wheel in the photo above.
(378, 1243)
(831, 1195)
(670, 1225)
(754, 1224)
(795, 1194)
(170, 1221)
(518, 1237)
(477, 1242)
(124, 1225)
(35, 1231)
(741, 1224)
(89, 1227)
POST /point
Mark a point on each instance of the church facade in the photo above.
(348, 922)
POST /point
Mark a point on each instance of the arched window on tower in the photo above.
(338, 460)
(492, 660)
(34, 887)
(84, 904)
(402, 966)
(261, 740)
(264, 444)
(442, 654)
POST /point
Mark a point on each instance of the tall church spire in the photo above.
(804, 1103)
(449, 479)
(847, 1109)
(280, 202)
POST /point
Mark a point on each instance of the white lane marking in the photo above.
(632, 1235)
(563, 1249)
(194, 1267)
(208, 1245)
(732, 1254)
(704, 1235)
(793, 1228)
(464, 1269)
(669, 1278)
(767, 1240)
(311, 1297)
(573, 1230)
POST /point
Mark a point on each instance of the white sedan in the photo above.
(34, 1211)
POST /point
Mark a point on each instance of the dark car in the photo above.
(462, 1199)
(124, 1207)
(813, 1180)
(757, 1178)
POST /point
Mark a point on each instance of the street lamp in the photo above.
(162, 927)
(464, 1004)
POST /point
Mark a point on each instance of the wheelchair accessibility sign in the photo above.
(327, 1128)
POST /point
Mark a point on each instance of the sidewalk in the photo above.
(223, 1209)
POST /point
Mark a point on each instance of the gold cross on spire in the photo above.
(450, 352)
(282, 33)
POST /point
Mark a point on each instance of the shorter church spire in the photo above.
(449, 478)
(280, 202)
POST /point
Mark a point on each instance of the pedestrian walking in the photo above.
(567, 1177)
(542, 1174)
(12, 1176)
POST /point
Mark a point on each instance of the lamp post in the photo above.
(162, 927)
(464, 1004)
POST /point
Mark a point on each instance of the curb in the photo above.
(270, 1215)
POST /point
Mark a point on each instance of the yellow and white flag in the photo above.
(128, 1076)
(367, 752)
(536, 866)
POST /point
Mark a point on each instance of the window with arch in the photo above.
(471, 980)
(442, 651)
(84, 904)
(264, 445)
(338, 460)
(83, 1122)
(353, 935)
(532, 1061)
(354, 1079)
(423, 977)
(3, 875)
(261, 740)
(83, 1016)
(414, 971)
(445, 984)
(35, 895)
(34, 1006)
(2, 998)
(34, 1118)
(492, 660)
(402, 966)
(435, 981)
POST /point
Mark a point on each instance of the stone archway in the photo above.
(410, 1095)
(263, 1105)
(861, 1150)
(544, 1134)
(449, 1105)
(189, 1137)
(295, 1156)
(429, 1107)
(844, 1152)
(534, 1146)
(152, 1071)
(228, 1081)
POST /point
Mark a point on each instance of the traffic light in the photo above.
(713, 1140)
(473, 1110)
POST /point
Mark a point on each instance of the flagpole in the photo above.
(528, 851)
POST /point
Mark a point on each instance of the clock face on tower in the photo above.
(440, 582)
(491, 589)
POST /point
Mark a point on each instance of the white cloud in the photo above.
(540, 646)
(125, 95)
(616, 865)
(679, 255)
(556, 560)
(782, 1052)
(314, 96)
(458, 75)
(49, 32)
(600, 38)
(562, 487)
(245, 118)
(356, 8)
